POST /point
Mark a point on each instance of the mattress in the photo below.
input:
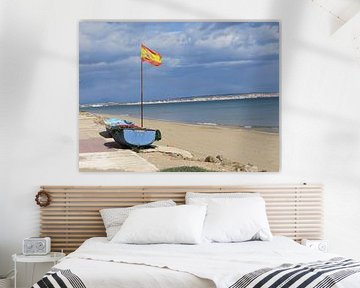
(99, 263)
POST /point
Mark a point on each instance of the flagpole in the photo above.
(142, 95)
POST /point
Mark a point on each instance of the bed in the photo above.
(294, 211)
(99, 263)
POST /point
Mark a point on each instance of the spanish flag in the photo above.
(150, 56)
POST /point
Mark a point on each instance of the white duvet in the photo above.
(100, 263)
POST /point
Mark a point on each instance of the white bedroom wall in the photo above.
(39, 105)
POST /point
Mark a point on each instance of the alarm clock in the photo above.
(36, 246)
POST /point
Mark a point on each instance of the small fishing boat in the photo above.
(126, 133)
(117, 123)
(135, 137)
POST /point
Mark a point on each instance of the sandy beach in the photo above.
(238, 149)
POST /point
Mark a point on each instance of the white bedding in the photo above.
(100, 263)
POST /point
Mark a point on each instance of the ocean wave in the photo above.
(93, 105)
(207, 123)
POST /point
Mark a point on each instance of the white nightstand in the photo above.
(53, 257)
(320, 245)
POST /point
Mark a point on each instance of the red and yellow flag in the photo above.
(150, 56)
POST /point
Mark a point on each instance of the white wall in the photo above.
(39, 104)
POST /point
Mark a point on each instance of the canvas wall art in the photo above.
(179, 96)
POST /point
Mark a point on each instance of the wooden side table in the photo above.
(53, 257)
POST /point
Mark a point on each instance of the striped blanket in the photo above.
(319, 274)
(59, 278)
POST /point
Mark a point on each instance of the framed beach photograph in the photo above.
(179, 96)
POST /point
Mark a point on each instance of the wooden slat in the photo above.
(73, 216)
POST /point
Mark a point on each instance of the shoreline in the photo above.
(238, 146)
(259, 129)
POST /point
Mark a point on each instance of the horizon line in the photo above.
(201, 98)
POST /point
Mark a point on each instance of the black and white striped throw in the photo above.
(320, 274)
(59, 278)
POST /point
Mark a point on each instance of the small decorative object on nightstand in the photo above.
(36, 246)
(53, 257)
(320, 245)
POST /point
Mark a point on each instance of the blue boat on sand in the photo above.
(136, 137)
(115, 122)
(126, 133)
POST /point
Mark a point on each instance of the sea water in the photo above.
(256, 113)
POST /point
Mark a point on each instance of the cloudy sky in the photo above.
(199, 58)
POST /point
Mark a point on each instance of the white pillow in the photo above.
(236, 220)
(204, 198)
(180, 224)
(113, 218)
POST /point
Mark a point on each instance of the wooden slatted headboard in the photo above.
(73, 215)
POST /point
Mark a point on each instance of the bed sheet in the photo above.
(100, 263)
